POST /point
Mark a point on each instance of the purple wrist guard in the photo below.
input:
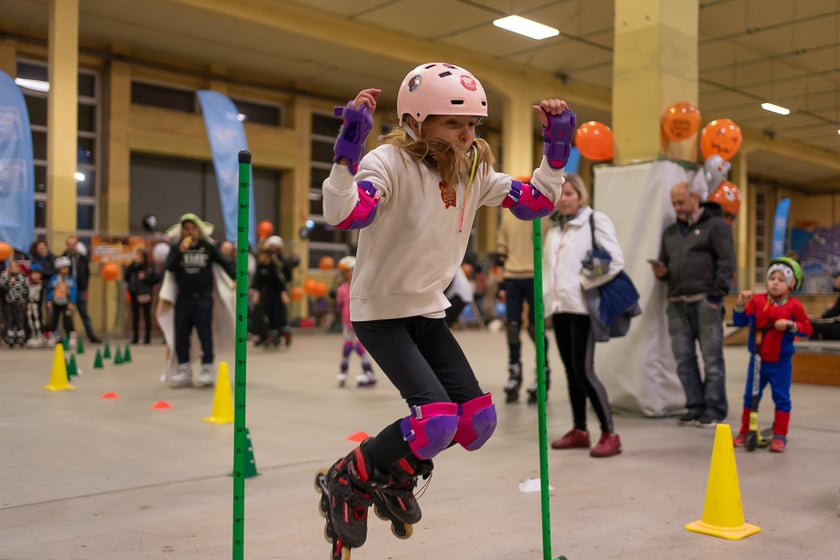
(558, 138)
(526, 202)
(350, 143)
(365, 210)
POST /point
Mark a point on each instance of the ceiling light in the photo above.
(526, 27)
(35, 85)
(773, 108)
(79, 176)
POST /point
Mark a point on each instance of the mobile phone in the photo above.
(654, 261)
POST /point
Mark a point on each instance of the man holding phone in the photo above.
(697, 260)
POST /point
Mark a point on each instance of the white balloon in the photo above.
(81, 248)
(160, 252)
(252, 264)
(715, 169)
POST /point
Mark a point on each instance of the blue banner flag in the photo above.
(780, 221)
(17, 175)
(574, 161)
(227, 138)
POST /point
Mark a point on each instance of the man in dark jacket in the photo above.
(191, 259)
(80, 270)
(697, 260)
(827, 325)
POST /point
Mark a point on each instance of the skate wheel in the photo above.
(327, 534)
(751, 441)
(402, 530)
(380, 513)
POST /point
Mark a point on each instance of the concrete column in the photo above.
(517, 135)
(743, 228)
(114, 206)
(654, 65)
(62, 120)
(8, 57)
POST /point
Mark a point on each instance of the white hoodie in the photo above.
(412, 249)
(564, 249)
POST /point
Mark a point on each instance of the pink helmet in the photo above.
(437, 88)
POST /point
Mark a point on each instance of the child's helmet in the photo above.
(62, 262)
(790, 268)
(347, 263)
(437, 88)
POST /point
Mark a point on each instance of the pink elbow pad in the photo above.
(365, 210)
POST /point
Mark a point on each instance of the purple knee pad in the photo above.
(346, 349)
(350, 142)
(558, 138)
(526, 202)
(476, 423)
(430, 428)
(365, 210)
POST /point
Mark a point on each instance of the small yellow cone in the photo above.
(222, 412)
(723, 515)
(58, 378)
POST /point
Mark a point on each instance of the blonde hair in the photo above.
(580, 187)
(452, 164)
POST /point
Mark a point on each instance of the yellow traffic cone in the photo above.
(222, 412)
(58, 378)
(723, 515)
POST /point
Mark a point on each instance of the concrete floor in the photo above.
(86, 478)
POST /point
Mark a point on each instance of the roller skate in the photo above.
(366, 379)
(20, 339)
(514, 382)
(396, 502)
(532, 388)
(9, 338)
(342, 378)
(346, 494)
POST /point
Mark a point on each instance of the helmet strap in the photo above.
(410, 131)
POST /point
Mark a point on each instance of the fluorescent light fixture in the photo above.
(35, 85)
(526, 27)
(79, 176)
(773, 108)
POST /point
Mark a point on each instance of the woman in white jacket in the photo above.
(564, 280)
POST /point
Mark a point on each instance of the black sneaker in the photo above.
(706, 422)
(689, 417)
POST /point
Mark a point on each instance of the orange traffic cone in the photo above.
(723, 515)
(58, 378)
(222, 412)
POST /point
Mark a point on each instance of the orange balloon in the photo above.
(326, 263)
(729, 198)
(110, 271)
(320, 289)
(594, 140)
(296, 293)
(309, 286)
(680, 121)
(722, 137)
(5, 250)
(264, 229)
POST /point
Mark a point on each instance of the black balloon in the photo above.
(150, 222)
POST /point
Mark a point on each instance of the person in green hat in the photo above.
(190, 260)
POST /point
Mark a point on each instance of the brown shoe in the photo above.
(608, 445)
(573, 439)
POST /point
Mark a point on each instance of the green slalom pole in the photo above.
(240, 439)
(539, 336)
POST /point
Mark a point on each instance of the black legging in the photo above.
(136, 309)
(577, 350)
(425, 363)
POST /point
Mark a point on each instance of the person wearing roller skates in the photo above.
(351, 342)
(778, 318)
(414, 200)
(564, 280)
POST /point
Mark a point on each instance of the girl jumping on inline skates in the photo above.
(414, 198)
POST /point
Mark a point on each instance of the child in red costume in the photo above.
(775, 319)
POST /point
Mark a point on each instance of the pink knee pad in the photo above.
(476, 423)
(430, 428)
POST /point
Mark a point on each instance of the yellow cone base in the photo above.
(65, 387)
(729, 533)
(222, 412)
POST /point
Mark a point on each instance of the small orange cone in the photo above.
(161, 405)
(109, 395)
(222, 412)
(58, 377)
(723, 515)
(358, 436)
